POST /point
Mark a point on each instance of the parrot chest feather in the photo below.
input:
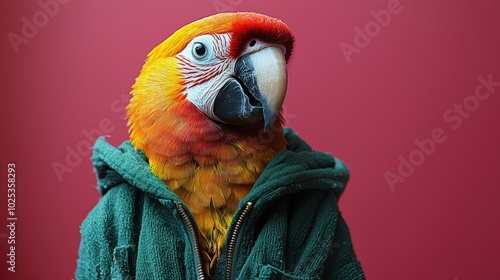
(215, 183)
(210, 168)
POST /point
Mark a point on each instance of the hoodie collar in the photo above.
(295, 169)
(125, 164)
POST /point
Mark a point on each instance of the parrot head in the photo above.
(230, 66)
(233, 66)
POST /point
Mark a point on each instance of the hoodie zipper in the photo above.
(232, 241)
(195, 238)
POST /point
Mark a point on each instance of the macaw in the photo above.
(206, 111)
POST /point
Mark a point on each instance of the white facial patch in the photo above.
(205, 64)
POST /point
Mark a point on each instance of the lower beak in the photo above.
(257, 91)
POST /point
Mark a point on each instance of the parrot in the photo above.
(206, 110)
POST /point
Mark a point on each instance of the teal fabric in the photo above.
(293, 230)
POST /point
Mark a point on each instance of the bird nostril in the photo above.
(252, 43)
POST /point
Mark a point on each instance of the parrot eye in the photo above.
(199, 50)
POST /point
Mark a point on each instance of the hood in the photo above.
(296, 169)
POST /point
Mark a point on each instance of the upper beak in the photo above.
(256, 91)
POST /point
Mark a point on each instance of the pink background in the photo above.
(442, 222)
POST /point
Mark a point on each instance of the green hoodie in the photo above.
(288, 226)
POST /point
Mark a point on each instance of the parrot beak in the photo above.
(257, 90)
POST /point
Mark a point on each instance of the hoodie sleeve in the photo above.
(87, 265)
(342, 263)
(92, 246)
(107, 244)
